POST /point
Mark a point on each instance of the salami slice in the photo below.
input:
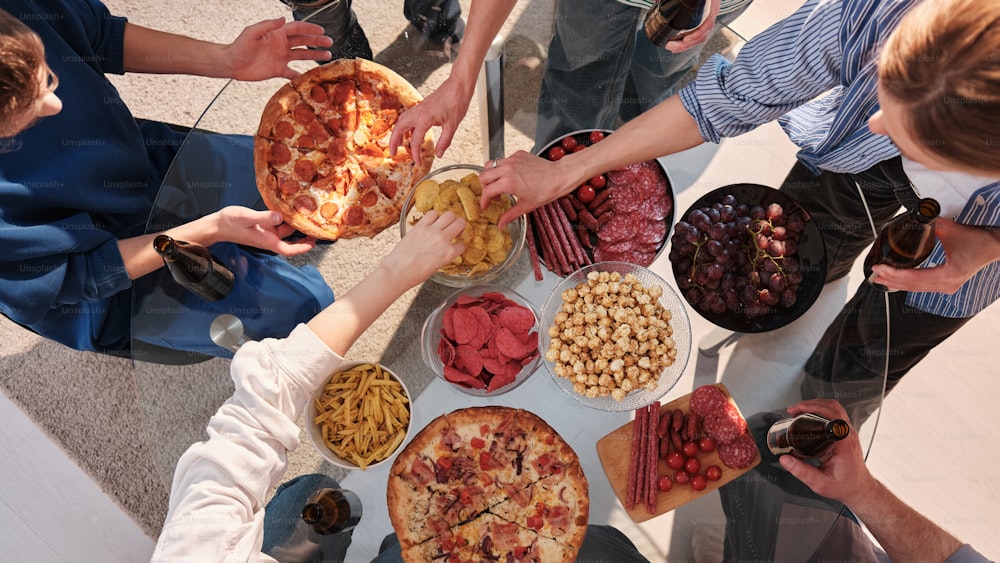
(708, 399)
(726, 425)
(739, 453)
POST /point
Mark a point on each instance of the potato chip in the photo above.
(480, 268)
(475, 252)
(472, 182)
(425, 196)
(470, 203)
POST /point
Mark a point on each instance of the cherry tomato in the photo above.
(714, 473)
(690, 449)
(675, 460)
(664, 483)
(699, 483)
(598, 182)
(557, 152)
(579, 148)
(692, 465)
(596, 136)
(682, 477)
(586, 193)
(568, 143)
(706, 444)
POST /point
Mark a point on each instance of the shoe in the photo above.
(341, 25)
(440, 33)
(355, 46)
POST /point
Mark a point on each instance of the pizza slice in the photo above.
(443, 465)
(318, 199)
(333, 97)
(290, 120)
(556, 507)
(489, 538)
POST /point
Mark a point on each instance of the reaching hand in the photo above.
(445, 107)
(427, 246)
(842, 475)
(533, 180)
(259, 229)
(967, 249)
(700, 33)
(263, 50)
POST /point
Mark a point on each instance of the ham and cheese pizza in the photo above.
(488, 484)
(321, 153)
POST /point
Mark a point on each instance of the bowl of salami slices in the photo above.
(482, 339)
(623, 215)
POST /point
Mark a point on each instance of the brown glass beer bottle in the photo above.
(667, 20)
(331, 511)
(806, 435)
(194, 268)
(905, 241)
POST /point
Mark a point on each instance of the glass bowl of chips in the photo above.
(489, 251)
(482, 339)
(337, 415)
(630, 324)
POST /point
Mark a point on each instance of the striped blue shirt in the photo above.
(814, 72)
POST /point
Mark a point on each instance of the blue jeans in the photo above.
(601, 67)
(288, 539)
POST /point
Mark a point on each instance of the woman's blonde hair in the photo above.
(942, 64)
(21, 55)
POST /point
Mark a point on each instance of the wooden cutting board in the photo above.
(613, 451)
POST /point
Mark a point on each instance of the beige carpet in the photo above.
(103, 410)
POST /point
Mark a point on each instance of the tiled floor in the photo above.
(935, 443)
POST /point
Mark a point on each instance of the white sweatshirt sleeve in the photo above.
(216, 510)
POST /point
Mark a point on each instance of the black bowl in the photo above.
(811, 255)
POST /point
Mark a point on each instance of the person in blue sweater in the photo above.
(79, 174)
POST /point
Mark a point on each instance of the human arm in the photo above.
(448, 104)
(261, 51)
(239, 225)
(217, 496)
(968, 249)
(784, 67)
(665, 129)
(903, 533)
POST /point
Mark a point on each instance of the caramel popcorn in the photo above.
(611, 336)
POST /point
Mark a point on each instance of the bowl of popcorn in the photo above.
(615, 336)
(489, 250)
(360, 417)
(482, 339)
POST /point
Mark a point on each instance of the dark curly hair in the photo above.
(21, 55)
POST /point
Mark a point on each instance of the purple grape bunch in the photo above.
(736, 257)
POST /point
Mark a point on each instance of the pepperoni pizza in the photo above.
(488, 484)
(321, 153)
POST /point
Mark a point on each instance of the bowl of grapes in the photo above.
(748, 258)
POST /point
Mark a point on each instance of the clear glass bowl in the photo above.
(430, 336)
(516, 228)
(679, 322)
(316, 436)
